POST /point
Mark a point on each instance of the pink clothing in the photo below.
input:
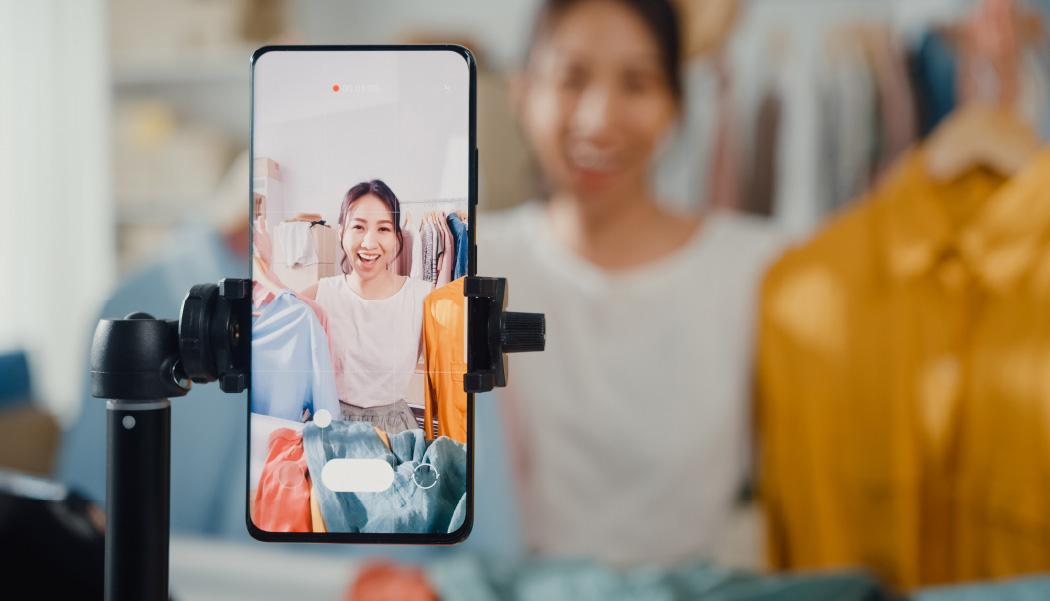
(282, 502)
(261, 296)
(448, 257)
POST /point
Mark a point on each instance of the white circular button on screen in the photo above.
(357, 475)
(128, 421)
(323, 419)
(290, 474)
(425, 476)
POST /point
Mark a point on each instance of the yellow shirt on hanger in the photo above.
(904, 382)
(445, 359)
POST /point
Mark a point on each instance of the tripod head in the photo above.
(144, 358)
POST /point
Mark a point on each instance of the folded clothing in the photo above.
(497, 579)
(404, 506)
(282, 503)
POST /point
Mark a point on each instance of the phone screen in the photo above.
(363, 171)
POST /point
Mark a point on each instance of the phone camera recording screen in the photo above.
(361, 230)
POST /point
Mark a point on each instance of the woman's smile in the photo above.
(367, 260)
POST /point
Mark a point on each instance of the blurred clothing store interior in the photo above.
(848, 397)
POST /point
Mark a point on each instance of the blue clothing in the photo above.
(459, 232)
(404, 507)
(15, 388)
(291, 364)
(208, 433)
(935, 79)
(487, 579)
(1021, 589)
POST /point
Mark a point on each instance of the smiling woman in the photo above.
(375, 317)
(633, 426)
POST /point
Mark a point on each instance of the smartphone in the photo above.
(363, 195)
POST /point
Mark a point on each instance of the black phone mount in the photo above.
(139, 362)
(492, 332)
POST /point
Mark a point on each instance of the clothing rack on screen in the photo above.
(435, 243)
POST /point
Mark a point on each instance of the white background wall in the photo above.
(411, 133)
(57, 248)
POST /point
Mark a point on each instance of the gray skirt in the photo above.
(392, 419)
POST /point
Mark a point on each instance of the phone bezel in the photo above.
(398, 538)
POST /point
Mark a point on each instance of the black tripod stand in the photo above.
(139, 362)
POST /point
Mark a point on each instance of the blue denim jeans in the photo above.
(405, 506)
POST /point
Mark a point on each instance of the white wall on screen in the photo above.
(412, 133)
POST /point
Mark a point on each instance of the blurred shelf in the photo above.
(188, 67)
(157, 209)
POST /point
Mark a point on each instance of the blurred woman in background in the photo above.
(631, 432)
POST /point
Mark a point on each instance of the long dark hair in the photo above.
(380, 190)
(658, 15)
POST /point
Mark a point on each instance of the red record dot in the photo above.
(335, 88)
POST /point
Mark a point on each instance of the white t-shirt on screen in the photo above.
(375, 343)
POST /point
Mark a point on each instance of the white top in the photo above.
(297, 242)
(635, 419)
(375, 343)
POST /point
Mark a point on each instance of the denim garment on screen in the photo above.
(459, 232)
(404, 507)
(291, 364)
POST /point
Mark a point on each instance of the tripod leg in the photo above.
(138, 483)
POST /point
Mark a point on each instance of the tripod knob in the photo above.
(522, 332)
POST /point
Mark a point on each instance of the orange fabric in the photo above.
(382, 436)
(383, 581)
(282, 502)
(316, 520)
(445, 360)
(904, 383)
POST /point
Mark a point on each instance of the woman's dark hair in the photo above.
(380, 190)
(658, 15)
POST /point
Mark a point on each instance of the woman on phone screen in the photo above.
(375, 317)
(631, 432)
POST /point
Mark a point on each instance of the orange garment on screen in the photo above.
(904, 382)
(282, 502)
(444, 356)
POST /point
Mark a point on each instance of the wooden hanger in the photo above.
(980, 135)
(985, 132)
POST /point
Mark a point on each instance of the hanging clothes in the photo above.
(445, 359)
(291, 362)
(462, 244)
(849, 121)
(762, 185)
(895, 97)
(902, 370)
(282, 502)
(439, 250)
(448, 257)
(935, 79)
(298, 243)
(402, 263)
(724, 185)
(417, 253)
(427, 234)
